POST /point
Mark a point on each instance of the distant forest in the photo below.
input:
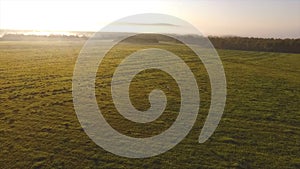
(257, 44)
(232, 43)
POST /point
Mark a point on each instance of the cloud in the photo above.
(147, 24)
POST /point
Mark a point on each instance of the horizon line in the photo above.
(6, 31)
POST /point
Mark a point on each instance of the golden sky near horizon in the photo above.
(216, 17)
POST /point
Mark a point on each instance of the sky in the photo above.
(252, 18)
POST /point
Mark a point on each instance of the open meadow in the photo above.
(260, 127)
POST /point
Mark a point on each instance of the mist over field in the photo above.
(286, 45)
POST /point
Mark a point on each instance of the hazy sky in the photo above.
(258, 18)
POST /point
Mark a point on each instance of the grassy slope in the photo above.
(39, 128)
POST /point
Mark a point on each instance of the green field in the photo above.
(260, 127)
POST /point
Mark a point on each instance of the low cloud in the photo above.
(148, 24)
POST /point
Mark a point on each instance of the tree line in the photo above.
(256, 44)
(232, 43)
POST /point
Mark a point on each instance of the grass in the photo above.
(39, 127)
